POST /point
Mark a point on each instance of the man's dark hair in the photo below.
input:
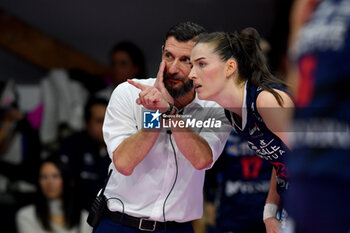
(185, 31)
(135, 54)
(90, 103)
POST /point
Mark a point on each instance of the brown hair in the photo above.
(245, 49)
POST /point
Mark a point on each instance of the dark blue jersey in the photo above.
(322, 138)
(320, 162)
(87, 164)
(239, 183)
(260, 139)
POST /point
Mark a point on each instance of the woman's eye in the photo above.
(201, 64)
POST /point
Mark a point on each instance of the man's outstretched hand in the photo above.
(150, 97)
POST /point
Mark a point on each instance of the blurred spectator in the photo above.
(19, 157)
(320, 37)
(63, 96)
(63, 102)
(56, 208)
(85, 152)
(19, 143)
(127, 62)
(236, 189)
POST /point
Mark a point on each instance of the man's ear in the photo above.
(231, 67)
(163, 49)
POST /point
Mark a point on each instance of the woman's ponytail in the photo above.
(260, 73)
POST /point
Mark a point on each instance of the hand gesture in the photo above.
(159, 84)
(150, 97)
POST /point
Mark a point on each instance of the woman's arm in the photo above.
(277, 118)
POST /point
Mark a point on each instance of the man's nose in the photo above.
(174, 67)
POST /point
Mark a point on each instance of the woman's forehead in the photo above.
(202, 49)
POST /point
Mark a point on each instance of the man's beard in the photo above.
(186, 87)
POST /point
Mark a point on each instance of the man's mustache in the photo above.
(173, 76)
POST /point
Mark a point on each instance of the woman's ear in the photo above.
(231, 67)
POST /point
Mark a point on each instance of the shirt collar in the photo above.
(195, 101)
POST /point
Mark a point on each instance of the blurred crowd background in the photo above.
(59, 63)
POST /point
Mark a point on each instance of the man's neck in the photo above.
(181, 102)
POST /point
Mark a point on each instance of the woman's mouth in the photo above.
(196, 86)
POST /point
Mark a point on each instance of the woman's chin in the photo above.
(199, 94)
(202, 96)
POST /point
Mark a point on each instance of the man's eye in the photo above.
(188, 60)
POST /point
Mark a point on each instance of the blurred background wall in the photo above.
(92, 27)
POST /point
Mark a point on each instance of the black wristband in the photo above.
(170, 109)
(176, 110)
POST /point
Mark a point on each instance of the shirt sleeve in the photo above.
(120, 120)
(217, 137)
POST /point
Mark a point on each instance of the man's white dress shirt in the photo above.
(145, 190)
